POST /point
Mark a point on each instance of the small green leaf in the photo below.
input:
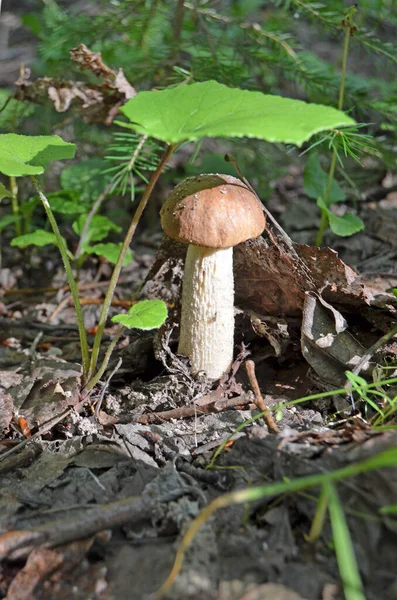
(210, 109)
(27, 155)
(315, 181)
(40, 238)
(98, 229)
(4, 193)
(110, 252)
(148, 314)
(342, 226)
(66, 203)
(346, 225)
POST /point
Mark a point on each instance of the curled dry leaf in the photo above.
(96, 103)
(326, 345)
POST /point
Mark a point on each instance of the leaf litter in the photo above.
(95, 504)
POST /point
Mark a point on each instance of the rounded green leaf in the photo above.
(148, 314)
(346, 225)
(40, 238)
(99, 227)
(27, 154)
(110, 252)
(211, 109)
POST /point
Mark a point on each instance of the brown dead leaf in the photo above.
(42, 563)
(97, 103)
(326, 345)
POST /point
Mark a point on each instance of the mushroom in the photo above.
(211, 213)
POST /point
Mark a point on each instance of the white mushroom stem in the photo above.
(207, 322)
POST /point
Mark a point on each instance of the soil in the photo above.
(97, 490)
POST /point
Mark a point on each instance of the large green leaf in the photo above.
(27, 155)
(210, 109)
(148, 314)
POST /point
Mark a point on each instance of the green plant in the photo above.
(173, 116)
(324, 189)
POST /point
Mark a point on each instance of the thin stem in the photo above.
(94, 380)
(89, 218)
(349, 26)
(72, 283)
(15, 204)
(116, 272)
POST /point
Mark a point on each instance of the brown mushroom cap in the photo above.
(216, 211)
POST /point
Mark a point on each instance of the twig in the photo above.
(259, 401)
(18, 544)
(191, 411)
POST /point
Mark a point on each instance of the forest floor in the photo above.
(97, 489)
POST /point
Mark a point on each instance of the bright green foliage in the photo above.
(342, 226)
(148, 314)
(98, 229)
(110, 252)
(315, 181)
(27, 155)
(210, 109)
(39, 237)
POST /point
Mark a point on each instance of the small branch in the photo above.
(191, 411)
(259, 401)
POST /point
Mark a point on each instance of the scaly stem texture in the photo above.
(349, 25)
(116, 272)
(72, 283)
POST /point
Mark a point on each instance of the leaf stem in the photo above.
(116, 272)
(94, 380)
(15, 204)
(71, 280)
(349, 25)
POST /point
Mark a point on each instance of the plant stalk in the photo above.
(94, 380)
(15, 204)
(116, 272)
(349, 25)
(72, 283)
